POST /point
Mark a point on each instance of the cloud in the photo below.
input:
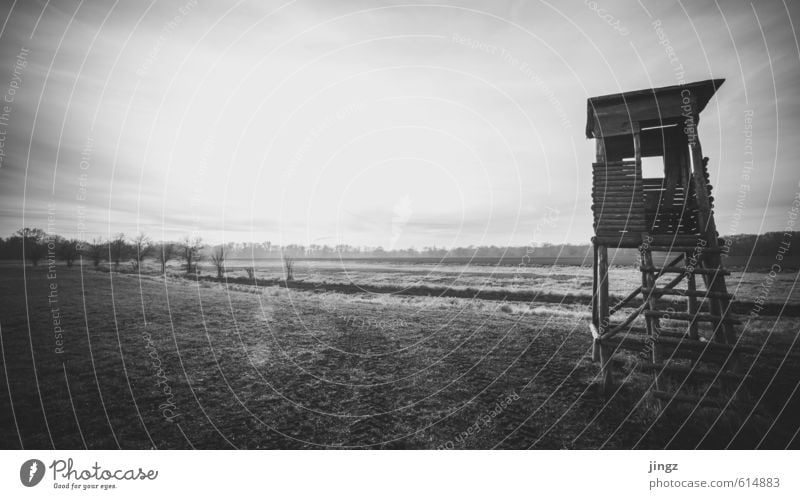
(473, 110)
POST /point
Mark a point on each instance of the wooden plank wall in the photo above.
(669, 211)
(618, 200)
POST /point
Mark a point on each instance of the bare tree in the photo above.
(251, 272)
(218, 259)
(140, 248)
(33, 244)
(117, 249)
(96, 251)
(67, 250)
(164, 253)
(288, 267)
(190, 252)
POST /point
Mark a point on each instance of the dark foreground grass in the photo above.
(153, 363)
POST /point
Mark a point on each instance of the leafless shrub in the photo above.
(117, 249)
(33, 244)
(190, 252)
(288, 267)
(218, 259)
(140, 248)
(164, 253)
(67, 250)
(96, 251)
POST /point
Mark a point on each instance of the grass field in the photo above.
(544, 278)
(154, 362)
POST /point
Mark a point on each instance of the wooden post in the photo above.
(722, 332)
(595, 312)
(637, 156)
(651, 323)
(600, 157)
(603, 306)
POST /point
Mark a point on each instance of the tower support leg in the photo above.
(606, 368)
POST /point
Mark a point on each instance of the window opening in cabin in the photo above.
(653, 167)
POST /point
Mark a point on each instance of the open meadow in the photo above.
(99, 359)
(548, 277)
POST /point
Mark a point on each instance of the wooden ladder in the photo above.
(678, 355)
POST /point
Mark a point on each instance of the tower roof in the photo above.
(614, 114)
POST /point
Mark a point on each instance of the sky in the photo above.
(379, 123)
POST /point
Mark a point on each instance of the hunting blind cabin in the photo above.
(668, 216)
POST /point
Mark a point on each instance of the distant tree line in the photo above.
(768, 244)
(35, 245)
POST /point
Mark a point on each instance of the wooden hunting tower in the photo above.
(651, 191)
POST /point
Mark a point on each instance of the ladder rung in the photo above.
(686, 292)
(691, 372)
(683, 316)
(681, 270)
